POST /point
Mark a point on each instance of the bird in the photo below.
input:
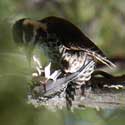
(66, 46)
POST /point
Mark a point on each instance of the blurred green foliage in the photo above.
(102, 20)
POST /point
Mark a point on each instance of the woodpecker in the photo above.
(64, 44)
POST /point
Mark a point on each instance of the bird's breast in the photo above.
(72, 61)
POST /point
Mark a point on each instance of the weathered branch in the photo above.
(107, 92)
(102, 92)
(105, 98)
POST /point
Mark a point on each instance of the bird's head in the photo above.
(28, 33)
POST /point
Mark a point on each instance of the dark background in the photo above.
(103, 21)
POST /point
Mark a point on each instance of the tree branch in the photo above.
(106, 91)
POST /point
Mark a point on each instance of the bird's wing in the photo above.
(73, 39)
(94, 54)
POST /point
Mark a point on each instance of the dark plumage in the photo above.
(66, 46)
